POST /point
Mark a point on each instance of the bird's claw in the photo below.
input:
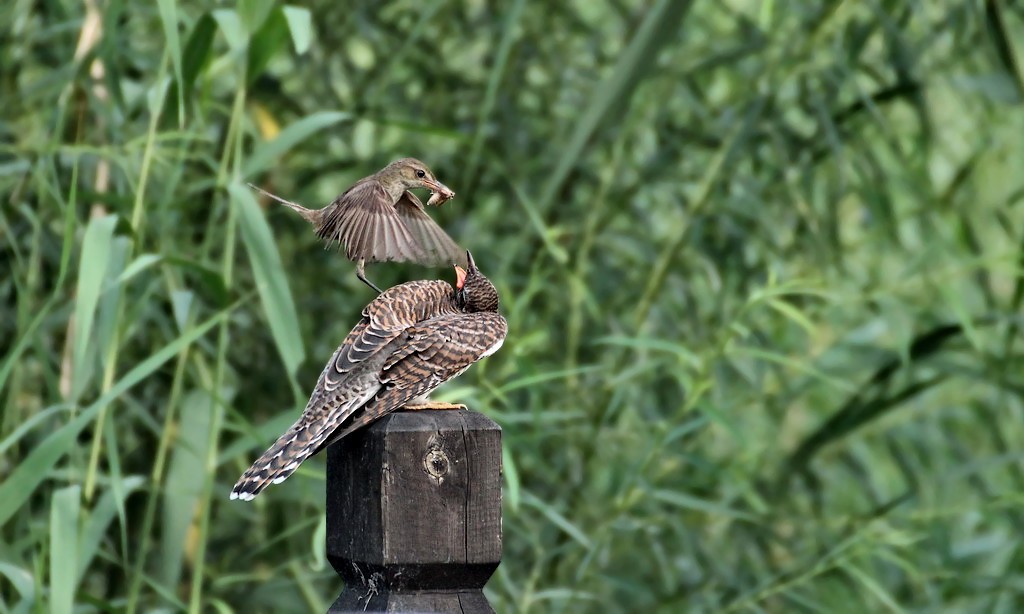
(432, 405)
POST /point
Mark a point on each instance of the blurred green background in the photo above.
(761, 260)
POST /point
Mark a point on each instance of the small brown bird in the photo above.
(379, 220)
(411, 339)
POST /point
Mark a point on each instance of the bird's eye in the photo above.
(421, 173)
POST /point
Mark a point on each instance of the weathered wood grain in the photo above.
(414, 513)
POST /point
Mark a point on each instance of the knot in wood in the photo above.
(436, 463)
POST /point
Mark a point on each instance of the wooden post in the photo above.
(414, 513)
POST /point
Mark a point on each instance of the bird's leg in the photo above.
(361, 274)
(432, 405)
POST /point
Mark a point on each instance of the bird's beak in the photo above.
(469, 261)
(442, 192)
(460, 277)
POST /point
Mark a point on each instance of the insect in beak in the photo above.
(440, 193)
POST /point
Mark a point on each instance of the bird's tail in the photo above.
(310, 215)
(276, 464)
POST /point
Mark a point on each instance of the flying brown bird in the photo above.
(411, 339)
(379, 220)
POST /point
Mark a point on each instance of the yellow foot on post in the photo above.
(432, 405)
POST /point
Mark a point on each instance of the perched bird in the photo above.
(411, 339)
(379, 220)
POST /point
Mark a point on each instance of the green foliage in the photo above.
(762, 263)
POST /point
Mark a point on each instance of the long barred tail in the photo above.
(313, 431)
(275, 465)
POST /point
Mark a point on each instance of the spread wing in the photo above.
(429, 355)
(367, 224)
(435, 246)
